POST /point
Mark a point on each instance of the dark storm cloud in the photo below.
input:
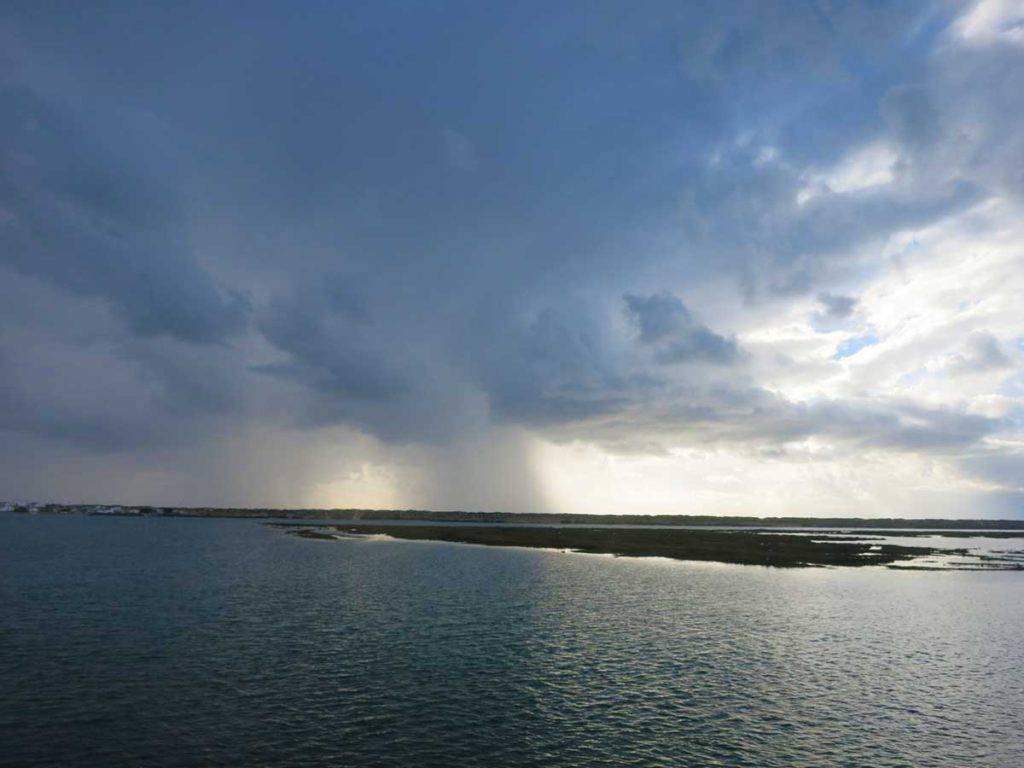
(95, 403)
(551, 368)
(749, 207)
(422, 220)
(72, 215)
(665, 323)
(837, 307)
(326, 360)
(357, 368)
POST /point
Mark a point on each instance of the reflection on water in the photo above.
(172, 642)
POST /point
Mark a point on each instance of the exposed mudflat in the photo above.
(744, 547)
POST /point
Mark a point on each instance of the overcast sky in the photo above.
(700, 257)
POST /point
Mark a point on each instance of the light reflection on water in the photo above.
(195, 642)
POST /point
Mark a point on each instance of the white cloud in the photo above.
(866, 167)
(992, 21)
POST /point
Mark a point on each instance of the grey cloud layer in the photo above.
(381, 219)
(666, 324)
(72, 216)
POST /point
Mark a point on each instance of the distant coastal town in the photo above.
(50, 508)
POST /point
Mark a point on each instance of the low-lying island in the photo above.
(746, 547)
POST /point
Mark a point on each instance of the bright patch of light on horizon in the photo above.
(807, 480)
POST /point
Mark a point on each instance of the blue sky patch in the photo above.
(854, 345)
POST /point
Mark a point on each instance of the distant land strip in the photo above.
(534, 518)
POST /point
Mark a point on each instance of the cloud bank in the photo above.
(749, 257)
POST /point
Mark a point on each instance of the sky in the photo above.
(747, 257)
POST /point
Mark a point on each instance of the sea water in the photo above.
(196, 642)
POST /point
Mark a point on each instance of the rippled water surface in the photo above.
(173, 642)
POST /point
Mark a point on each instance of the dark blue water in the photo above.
(172, 642)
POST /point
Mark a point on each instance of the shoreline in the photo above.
(738, 547)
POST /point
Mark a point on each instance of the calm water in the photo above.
(171, 642)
